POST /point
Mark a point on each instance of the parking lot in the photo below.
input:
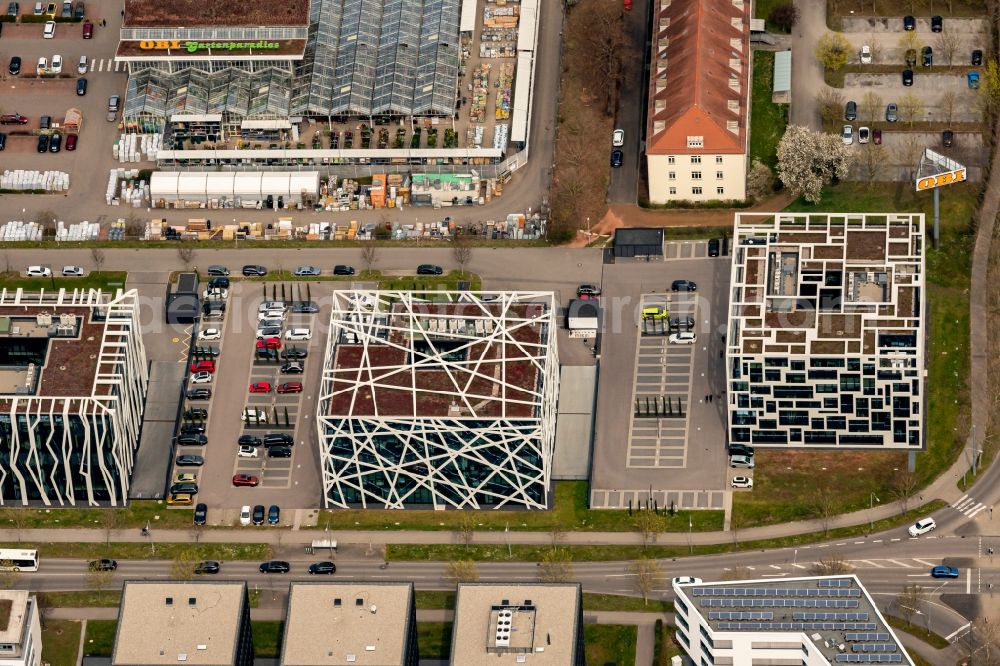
(657, 429)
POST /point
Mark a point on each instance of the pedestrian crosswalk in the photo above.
(968, 506)
(107, 65)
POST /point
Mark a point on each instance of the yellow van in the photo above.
(655, 312)
(180, 499)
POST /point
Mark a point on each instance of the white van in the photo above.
(83, 65)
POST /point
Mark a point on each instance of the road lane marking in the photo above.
(900, 564)
(799, 566)
(872, 564)
(957, 631)
(775, 566)
(924, 562)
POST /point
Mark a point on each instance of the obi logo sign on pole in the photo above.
(938, 180)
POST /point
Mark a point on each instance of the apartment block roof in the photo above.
(13, 615)
(699, 86)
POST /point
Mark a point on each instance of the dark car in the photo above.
(280, 438)
(258, 515)
(343, 269)
(273, 515)
(43, 143)
(192, 429)
(944, 572)
(55, 143)
(186, 487)
(289, 387)
(294, 352)
(3, 140)
(713, 247)
(189, 460)
(200, 514)
(429, 269)
(977, 57)
(877, 136)
(216, 269)
(306, 307)
(588, 290)
(205, 350)
(249, 440)
(254, 270)
(15, 64)
(218, 283)
(909, 23)
(292, 368)
(683, 285)
(71, 140)
(937, 24)
(851, 111)
(907, 77)
(79, 10)
(681, 323)
(103, 565)
(891, 113)
(616, 158)
(81, 87)
(13, 9)
(207, 567)
(323, 568)
(192, 440)
(927, 56)
(741, 450)
(275, 566)
(195, 413)
(44, 122)
(947, 138)
(199, 393)
(279, 451)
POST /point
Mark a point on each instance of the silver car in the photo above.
(72, 271)
(745, 462)
(307, 270)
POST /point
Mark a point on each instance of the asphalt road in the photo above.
(623, 186)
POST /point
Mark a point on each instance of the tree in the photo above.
(784, 17)
(16, 518)
(809, 160)
(369, 256)
(466, 528)
(646, 576)
(911, 107)
(908, 152)
(908, 601)
(462, 252)
(904, 484)
(97, 256)
(948, 101)
(99, 580)
(47, 220)
(988, 97)
(182, 567)
(831, 107)
(760, 180)
(824, 506)
(871, 106)
(556, 532)
(556, 566)
(648, 525)
(832, 565)
(111, 519)
(135, 225)
(908, 40)
(186, 254)
(461, 571)
(872, 159)
(606, 44)
(876, 46)
(833, 51)
(947, 45)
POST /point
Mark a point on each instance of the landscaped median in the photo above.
(103, 280)
(148, 550)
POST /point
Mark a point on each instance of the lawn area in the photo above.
(763, 8)
(609, 643)
(435, 600)
(100, 638)
(135, 516)
(143, 551)
(523, 553)
(617, 602)
(785, 483)
(90, 598)
(767, 119)
(267, 638)
(434, 640)
(569, 512)
(60, 642)
(665, 647)
(106, 280)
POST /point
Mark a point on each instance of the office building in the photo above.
(20, 629)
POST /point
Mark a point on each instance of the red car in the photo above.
(628, 5)
(245, 480)
(876, 137)
(268, 343)
(290, 387)
(260, 387)
(203, 366)
(71, 141)
(88, 30)
(13, 119)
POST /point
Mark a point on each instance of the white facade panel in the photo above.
(696, 177)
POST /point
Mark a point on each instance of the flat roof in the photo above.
(70, 362)
(638, 236)
(535, 624)
(189, 13)
(344, 623)
(420, 358)
(172, 622)
(13, 615)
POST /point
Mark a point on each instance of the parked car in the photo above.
(245, 515)
(103, 565)
(200, 393)
(891, 112)
(192, 429)
(847, 135)
(926, 56)
(654, 312)
(260, 387)
(280, 438)
(429, 269)
(15, 66)
(38, 271)
(88, 30)
(81, 87)
(248, 480)
(742, 482)
(307, 271)
(246, 452)
(186, 487)
(207, 567)
(206, 365)
(977, 57)
(275, 566)
(249, 440)
(683, 338)
(713, 247)
(323, 568)
(877, 136)
(254, 270)
(192, 439)
(39, 8)
(909, 23)
(82, 65)
(13, 119)
(683, 285)
(298, 334)
(586, 290)
(947, 138)
(201, 514)
(210, 334)
(67, 10)
(49, 31)
(681, 324)
(294, 352)
(937, 24)
(43, 143)
(851, 111)
(686, 580)
(741, 449)
(343, 269)
(217, 269)
(922, 526)
(289, 387)
(907, 77)
(972, 78)
(292, 368)
(79, 10)
(268, 331)
(268, 343)
(866, 55)
(114, 102)
(271, 305)
(215, 294)
(741, 461)
(616, 158)
(3, 140)
(305, 307)
(258, 514)
(185, 477)
(189, 460)
(180, 499)
(618, 138)
(942, 571)
(195, 413)
(279, 452)
(55, 142)
(863, 134)
(218, 283)
(273, 515)
(13, 9)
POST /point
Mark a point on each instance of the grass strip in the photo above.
(534, 553)
(146, 551)
(618, 602)
(80, 599)
(609, 644)
(100, 638)
(917, 631)
(104, 280)
(60, 642)
(267, 638)
(434, 640)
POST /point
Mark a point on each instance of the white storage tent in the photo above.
(247, 186)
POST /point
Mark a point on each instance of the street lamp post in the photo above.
(871, 507)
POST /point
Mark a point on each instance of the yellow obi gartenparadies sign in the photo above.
(938, 180)
(192, 46)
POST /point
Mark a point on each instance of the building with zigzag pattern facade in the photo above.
(73, 381)
(443, 403)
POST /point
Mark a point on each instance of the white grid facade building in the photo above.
(74, 379)
(444, 403)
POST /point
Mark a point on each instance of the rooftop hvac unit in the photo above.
(43, 319)
(29, 376)
(503, 628)
(67, 320)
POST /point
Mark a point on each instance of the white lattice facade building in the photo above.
(73, 380)
(448, 403)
